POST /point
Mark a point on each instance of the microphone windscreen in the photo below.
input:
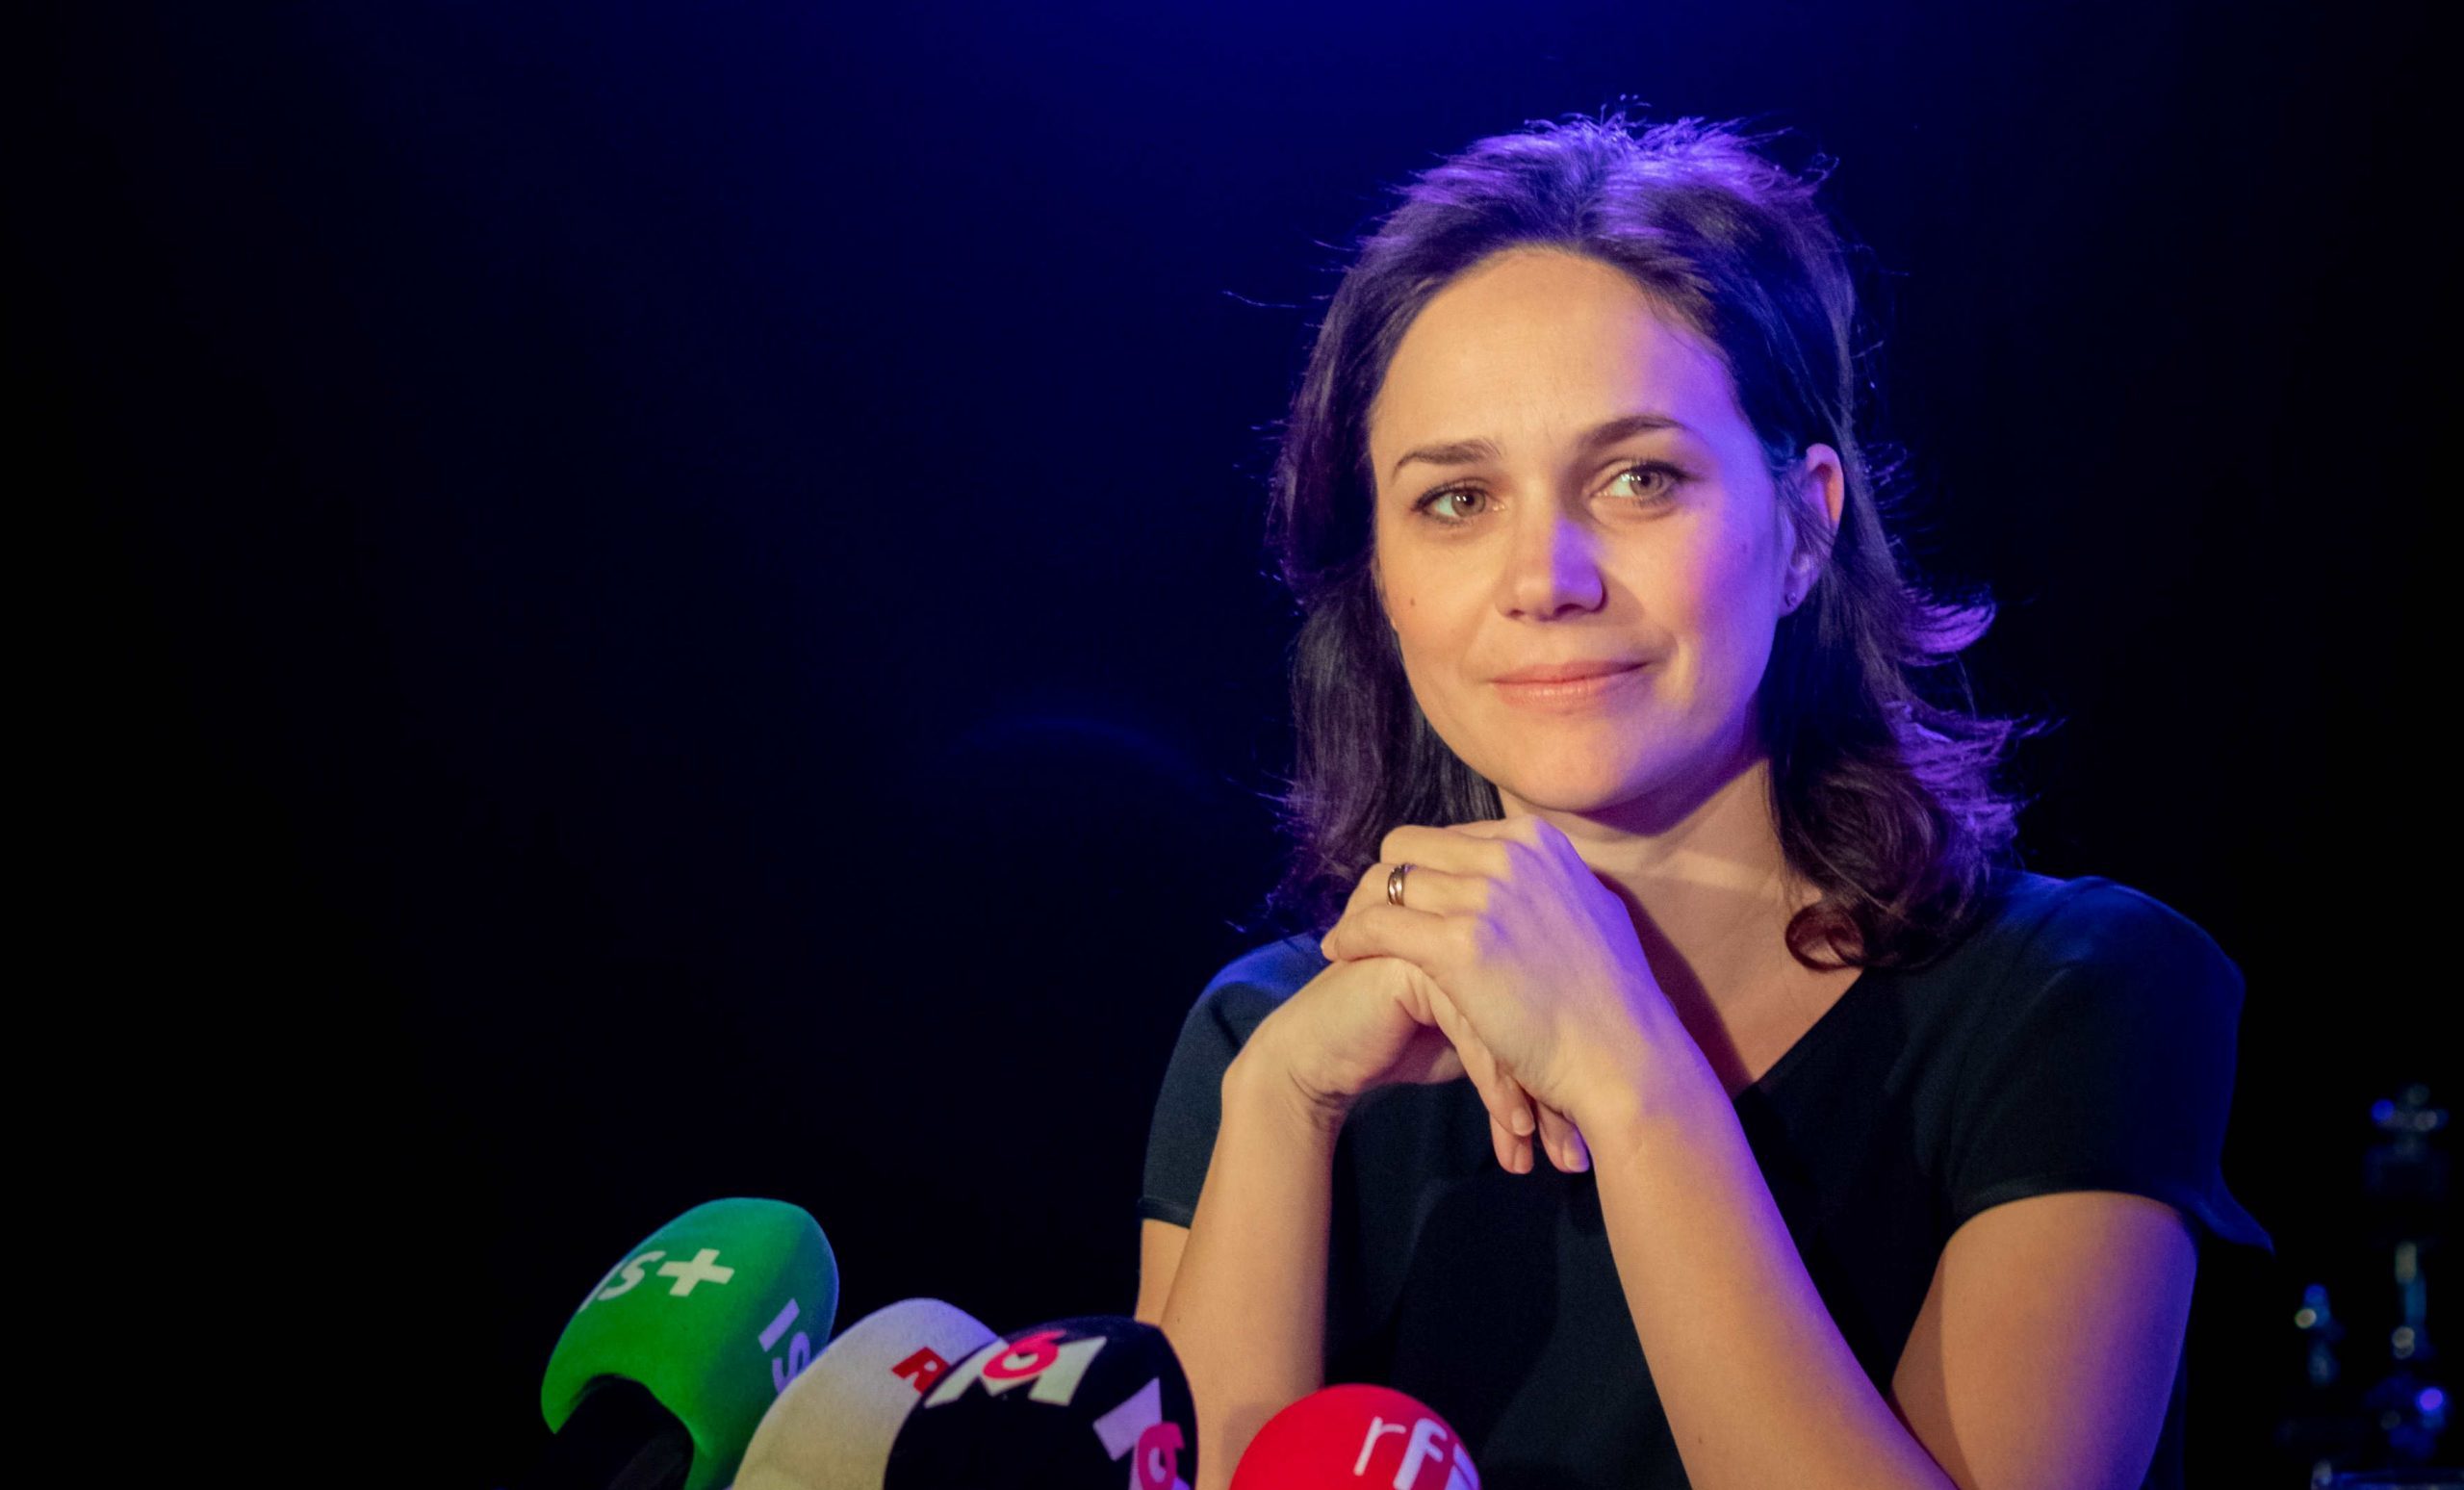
(1068, 1405)
(714, 1314)
(1357, 1437)
(832, 1429)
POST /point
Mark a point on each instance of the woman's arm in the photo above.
(1159, 1261)
(1248, 1304)
(2042, 1356)
(1248, 1309)
(1759, 1386)
(2046, 1351)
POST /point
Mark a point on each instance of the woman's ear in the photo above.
(1820, 483)
(1825, 479)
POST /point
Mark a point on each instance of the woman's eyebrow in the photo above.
(1465, 453)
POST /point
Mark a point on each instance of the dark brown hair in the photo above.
(1884, 799)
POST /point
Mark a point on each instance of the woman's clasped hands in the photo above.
(1508, 960)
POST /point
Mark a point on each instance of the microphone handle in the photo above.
(619, 1438)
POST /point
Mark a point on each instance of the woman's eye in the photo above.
(1451, 505)
(1648, 483)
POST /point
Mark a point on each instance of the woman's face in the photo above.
(1565, 481)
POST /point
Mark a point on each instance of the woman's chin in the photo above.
(1578, 788)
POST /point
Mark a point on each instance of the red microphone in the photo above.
(1353, 1437)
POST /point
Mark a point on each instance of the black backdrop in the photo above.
(668, 603)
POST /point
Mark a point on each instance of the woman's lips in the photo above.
(1560, 695)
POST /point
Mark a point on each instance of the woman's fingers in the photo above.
(1564, 1142)
(1419, 930)
(1503, 1145)
(1511, 1122)
(1516, 1118)
(1432, 891)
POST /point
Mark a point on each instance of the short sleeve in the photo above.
(2107, 1065)
(1180, 1142)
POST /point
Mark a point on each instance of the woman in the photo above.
(1873, 1161)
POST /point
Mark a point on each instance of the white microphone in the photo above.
(832, 1429)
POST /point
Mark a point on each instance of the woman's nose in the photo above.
(1551, 568)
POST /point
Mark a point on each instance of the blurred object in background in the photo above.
(2361, 1418)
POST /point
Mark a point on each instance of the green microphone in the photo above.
(666, 1369)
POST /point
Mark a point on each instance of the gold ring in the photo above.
(1395, 884)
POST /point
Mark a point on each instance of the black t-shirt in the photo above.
(2078, 1037)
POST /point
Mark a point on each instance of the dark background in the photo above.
(669, 602)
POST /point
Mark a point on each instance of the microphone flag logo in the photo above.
(1428, 1444)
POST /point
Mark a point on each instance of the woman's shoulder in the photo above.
(1278, 968)
(1251, 985)
(2088, 950)
(2093, 1050)
(2044, 922)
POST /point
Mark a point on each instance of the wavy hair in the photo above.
(1884, 799)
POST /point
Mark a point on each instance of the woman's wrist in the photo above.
(1262, 1079)
(1656, 1081)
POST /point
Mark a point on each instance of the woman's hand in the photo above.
(1380, 1022)
(1525, 944)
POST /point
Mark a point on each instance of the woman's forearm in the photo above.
(1759, 1385)
(1247, 1311)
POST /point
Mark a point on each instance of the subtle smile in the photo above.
(1566, 686)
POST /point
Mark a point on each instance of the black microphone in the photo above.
(1059, 1407)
